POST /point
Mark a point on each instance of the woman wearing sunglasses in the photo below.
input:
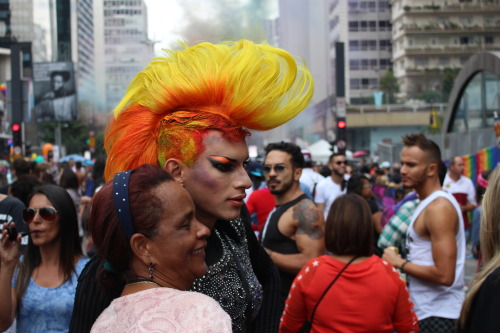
(188, 113)
(38, 288)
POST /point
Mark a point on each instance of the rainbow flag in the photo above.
(484, 160)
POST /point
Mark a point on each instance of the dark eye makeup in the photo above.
(221, 163)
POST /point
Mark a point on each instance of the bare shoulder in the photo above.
(441, 214)
(441, 206)
(306, 209)
(308, 217)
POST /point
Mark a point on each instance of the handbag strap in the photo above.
(331, 284)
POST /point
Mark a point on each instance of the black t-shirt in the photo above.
(4, 189)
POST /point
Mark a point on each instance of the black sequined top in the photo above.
(230, 278)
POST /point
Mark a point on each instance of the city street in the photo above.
(470, 268)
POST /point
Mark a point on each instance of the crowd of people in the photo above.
(422, 232)
(178, 231)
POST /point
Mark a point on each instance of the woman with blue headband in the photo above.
(152, 242)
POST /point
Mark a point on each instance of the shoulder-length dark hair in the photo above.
(355, 183)
(68, 234)
(349, 227)
(146, 208)
(68, 178)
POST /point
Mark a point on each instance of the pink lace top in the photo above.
(163, 310)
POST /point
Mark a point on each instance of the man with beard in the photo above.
(293, 233)
(331, 187)
(435, 240)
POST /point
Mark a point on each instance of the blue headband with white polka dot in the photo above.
(120, 195)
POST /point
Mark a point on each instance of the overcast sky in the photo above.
(167, 18)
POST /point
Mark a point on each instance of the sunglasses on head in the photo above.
(277, 168)
(47, 213)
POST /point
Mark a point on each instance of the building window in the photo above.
(385, 63)
(384, 26)
(465, 19)
(422, 61)
(384, 44)
(488, 40)
(444, 61)
(355, 84)
(465, 40)
(383, 6)
(364, 26)
(354, 64)
(372, 6)
(372, 25)
(353, 26)
(353, 45)
(353, 5)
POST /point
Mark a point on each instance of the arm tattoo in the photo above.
(307, 215)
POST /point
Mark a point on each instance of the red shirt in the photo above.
(368, 297)
(262, 202)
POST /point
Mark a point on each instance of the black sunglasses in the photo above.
(341, 162)
(277, 168)
(47, 213)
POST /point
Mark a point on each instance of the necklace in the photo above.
(138, 281)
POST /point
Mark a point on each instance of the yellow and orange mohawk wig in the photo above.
(231, 87)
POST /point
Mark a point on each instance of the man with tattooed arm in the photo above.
(293, 233)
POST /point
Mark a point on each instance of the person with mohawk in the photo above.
(189, 112)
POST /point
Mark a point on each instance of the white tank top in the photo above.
(431, 299)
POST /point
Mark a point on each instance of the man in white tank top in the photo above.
(435, 240)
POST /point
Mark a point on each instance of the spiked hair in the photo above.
(231, 87)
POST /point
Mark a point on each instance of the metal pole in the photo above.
(57, 136)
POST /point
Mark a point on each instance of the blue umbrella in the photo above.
(76, 157)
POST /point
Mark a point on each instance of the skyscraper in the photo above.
(123, 46)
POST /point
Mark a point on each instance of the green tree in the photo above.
(448, 80)
(74, 135)
(390, 86)
(431, 96)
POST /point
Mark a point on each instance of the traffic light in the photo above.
(341, 137)
(17, 136)
(341, 128)
(341, 124)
